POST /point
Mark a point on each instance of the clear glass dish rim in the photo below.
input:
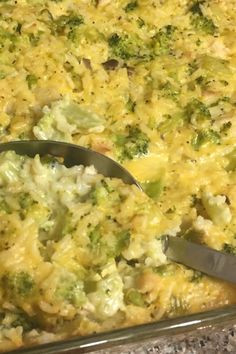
(150, 331)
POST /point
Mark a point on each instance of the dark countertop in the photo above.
(203, 341)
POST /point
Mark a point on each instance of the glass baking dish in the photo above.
(209, 320)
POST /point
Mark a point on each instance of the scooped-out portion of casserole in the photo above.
(152, 84)
(80, 254)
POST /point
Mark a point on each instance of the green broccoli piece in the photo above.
(201, 22)
(197, 111)
(121, 47)
(68, 21)
(95, 237)
(153, 189)
(204, 24)
(31, 80)
(135, 143)
(132, 296)
(66, 118)
(25, 200)
(4, 206)
(18, 284)
(2, 75)
(7, 36)
(203, 137)
(125, 47)
(130, 105)
(169, 91)
(97, 243)
(22, 320)
(123, 239)
(162, 40)
(71, 290)
(99, 194)
(196, 9)
(67, 24)
(131, 6)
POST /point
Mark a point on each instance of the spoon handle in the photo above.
(201, 258)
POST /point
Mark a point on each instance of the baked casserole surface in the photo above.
(151, 84)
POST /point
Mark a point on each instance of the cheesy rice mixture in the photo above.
(152, 84)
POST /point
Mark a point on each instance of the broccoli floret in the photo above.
(122, 239)
(66, 118)
(196, 111)
(201, 22)
(25, 200)
(67, 24)
(31, 80)
(169, 91)
(203, 137)
(134, 144)
(131, 6)
(2, 75)
(125, 47)
(99, 194)
(98, 244)
(204, 24)
(133, 296)
(7, 36)
(71, 290)
(95, 237)
(121, 47)
(196, 9)
(162, 40)
(130, 105)
(4, 206)
(18, 284)
(153, 189)
(22, 320)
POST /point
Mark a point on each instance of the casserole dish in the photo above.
(157, 96)
(119, 340)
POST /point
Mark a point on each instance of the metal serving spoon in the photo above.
(199, 257)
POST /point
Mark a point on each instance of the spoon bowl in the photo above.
(73, 155)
